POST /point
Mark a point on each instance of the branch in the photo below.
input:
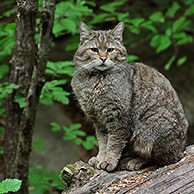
(175, 178)
(44, 46)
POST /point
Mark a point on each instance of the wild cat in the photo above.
(134, 108)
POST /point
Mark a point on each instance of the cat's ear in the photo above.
(85, 32)
(117, 32)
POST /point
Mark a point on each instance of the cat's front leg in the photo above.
(102, 138)
(117, 140)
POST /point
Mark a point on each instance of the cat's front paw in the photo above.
(107, 165)
(93, 161)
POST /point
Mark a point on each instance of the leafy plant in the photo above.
(73, 133)
(39, 145)
(10, 185)
(67, 16)
(52, 91)
(168, 29)
(58, 68)
(41, 180)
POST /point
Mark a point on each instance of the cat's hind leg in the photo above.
(136, 164)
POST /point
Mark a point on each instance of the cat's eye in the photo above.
(94, 50)
(109, 50)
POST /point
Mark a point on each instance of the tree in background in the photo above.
(27, 71)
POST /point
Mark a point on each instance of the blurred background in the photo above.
(157, 33)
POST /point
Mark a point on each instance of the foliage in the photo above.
(38, 145)
(41, 180)
(6, 38)
(52, 91)
(73, 133)
(10, 185)
(59, 68)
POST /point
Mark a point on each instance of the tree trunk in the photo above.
(28, 65)
(175, 178)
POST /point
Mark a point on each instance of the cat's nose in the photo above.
(103, 58)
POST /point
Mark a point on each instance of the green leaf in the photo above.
(75, 126)
(41, 180)
(111, 7)
(181, 61)
(155, 41)
(46, 98)
(189, 11)
(149, 25)
(180, 24)
(70, 47)
(91, 3)
(8, 13)
(69, 25)
(157, 17)
(20, 100)
(172, 10)
(186, 39)
(2, 110)
(7, 88)
(182, 38)
(90, 142)
(12, 86)
(60, 97)
(169, 63)
(58, 29)
(188, 2)
(122, 16)
(10, 27)
(69, 136)
(1, 152)
(135, 21)
(1, 130)
(60, 67)
(132, 58)
(72, 127)
(79, 133)
(51, 92)
(10, 185)
(164, 43)
(3, 70)
(134, 29)
(87, 145)
(92, 139)
(78, 141)
(168, 32)
(55, 126)
(99, 18)
(38, 145)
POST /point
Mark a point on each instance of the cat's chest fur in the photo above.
(101, 93)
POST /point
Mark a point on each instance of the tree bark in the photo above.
(28, 65)
(175, 178)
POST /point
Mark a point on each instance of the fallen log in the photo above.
(174, 178)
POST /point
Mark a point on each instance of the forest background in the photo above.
(157, 33)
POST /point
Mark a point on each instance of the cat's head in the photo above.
(100, 50)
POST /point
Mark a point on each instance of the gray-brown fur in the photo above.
(134, 108)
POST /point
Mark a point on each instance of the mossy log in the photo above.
(175, 178)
